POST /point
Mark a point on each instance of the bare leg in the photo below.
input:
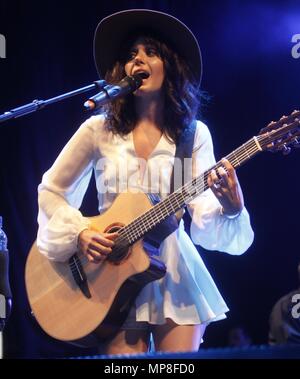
(127, 342)
(174, 337)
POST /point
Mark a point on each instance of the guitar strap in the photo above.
(184, 149)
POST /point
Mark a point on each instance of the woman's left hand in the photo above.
(226, 188)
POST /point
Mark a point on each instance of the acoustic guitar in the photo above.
(83, 302)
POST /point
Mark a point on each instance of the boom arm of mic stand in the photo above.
(39, 104)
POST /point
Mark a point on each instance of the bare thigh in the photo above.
(127, 342)
(174, 337)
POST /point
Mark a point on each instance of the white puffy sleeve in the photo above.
(61, 192)
(209, 228)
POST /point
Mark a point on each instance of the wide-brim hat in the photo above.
(112, 31)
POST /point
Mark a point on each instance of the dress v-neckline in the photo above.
(152, 152)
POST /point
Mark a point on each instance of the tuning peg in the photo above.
(296, 143)
(286, 149)
(283, 118)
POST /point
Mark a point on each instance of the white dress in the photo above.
(187, 293)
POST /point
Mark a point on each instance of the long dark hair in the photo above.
(181, 93)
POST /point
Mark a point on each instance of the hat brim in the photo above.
(112, 30)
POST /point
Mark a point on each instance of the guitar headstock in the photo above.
(282, 135)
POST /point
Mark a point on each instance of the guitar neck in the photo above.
(182, 196)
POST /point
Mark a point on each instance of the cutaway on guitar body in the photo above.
(85, 302)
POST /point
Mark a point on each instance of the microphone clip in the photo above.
(110, 92)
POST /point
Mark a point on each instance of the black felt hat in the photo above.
(112, 31)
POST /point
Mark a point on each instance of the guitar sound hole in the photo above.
(121, 249)
(114, 229)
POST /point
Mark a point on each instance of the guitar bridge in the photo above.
(79, 275)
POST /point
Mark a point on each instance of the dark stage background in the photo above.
(252, 78)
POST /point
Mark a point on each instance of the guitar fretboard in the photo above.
(182, 196)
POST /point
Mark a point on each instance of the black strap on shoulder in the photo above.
(184, 149)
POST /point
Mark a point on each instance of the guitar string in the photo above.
(194, 184)
(151, 219)
(148, 220)
(156, 216)
(197, 184)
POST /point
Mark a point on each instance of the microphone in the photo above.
(112, 91)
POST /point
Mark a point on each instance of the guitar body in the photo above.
(95, 311)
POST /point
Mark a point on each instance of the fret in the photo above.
(238, 162)
(179, 204)
(246, 151)
(164, 204)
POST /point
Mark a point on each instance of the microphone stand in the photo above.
(39, 104)
(22, 111)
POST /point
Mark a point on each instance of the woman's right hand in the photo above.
(96, 246)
